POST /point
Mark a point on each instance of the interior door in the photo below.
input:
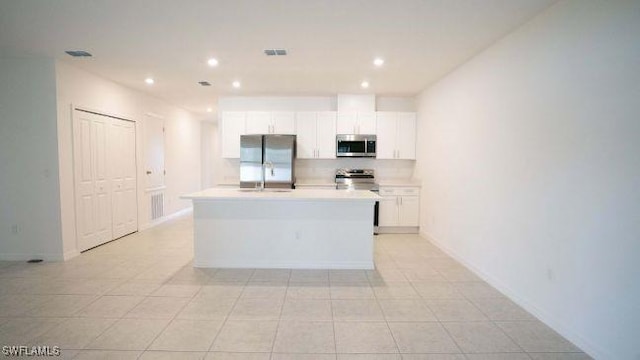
(122, 144)
(154, 152)
(92, 192)
(306, 135)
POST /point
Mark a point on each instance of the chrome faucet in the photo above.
(266, 165)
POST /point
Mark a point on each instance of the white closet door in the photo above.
(93, 199)
(123, 177)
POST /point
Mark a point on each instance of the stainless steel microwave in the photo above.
(355, 146)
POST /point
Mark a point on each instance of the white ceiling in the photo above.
(331, 43)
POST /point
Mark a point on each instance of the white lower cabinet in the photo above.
(399, 208)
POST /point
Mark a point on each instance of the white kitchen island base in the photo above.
(301, 229)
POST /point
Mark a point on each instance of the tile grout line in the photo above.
(228, 316)
(170, 320)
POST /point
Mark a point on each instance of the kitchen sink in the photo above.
(265, 190)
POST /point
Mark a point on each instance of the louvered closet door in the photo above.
(93, 199)
(122, 140)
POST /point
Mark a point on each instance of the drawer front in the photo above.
(399, 191)
(409, 191)
(388, 192)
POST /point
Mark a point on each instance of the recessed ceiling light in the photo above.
(236, 84)
(212, 62)
(209, 109)
(364, 84)
(149, 81)
(378, 62)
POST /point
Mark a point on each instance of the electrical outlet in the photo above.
(14, 228)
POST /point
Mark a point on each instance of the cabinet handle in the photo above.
(397, 154)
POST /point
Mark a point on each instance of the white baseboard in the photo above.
(559, 326)
(26, 257)
(163, 219)
(70, 254)
(398, 230)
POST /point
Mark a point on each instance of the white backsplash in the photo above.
(326, 169)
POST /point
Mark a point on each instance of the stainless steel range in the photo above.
(359, 179)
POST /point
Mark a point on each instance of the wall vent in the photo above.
(204, 83)
(78, 53)
(275, 52)
(157, 206)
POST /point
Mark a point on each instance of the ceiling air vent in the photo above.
(204, 83)
(275, 52)
(78, 53)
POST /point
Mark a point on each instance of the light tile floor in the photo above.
(140, 298)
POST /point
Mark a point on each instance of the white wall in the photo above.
(79, 88)
(29, 198)
(530, 159)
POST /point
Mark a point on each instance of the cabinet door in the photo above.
(367, 123)
(258, 122)
(306, 135)
(326, 135)
(388, 211)
(386, 133)
(233, 125)
(406, 141)
(347, 122)
(409, 211)
(283, 122)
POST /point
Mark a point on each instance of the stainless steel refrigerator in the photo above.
(268, 160)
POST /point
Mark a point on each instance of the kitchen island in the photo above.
(299, 229)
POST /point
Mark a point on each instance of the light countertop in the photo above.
(279, 195)
(399, 182)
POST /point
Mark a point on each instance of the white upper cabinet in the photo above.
(306, 135)
(258, 122)
(267, 122)
(351, 122)
(283, 122)
(406, 140)
(316, 135)
(326, 135)
(233, 125)
(386, 135)
(396, 135)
